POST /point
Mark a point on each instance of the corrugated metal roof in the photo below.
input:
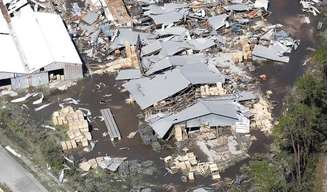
(159, 66)
(40, 39)
(201, 43)
(273, 52)
(151, 48)
(176, 30)
(147, 91)
(193, 67)
(128, 74)
(170, 48)
(217, 21)
(239, 96)
(166, 14)
(166, 8)
(211, 120)
(127, 34)
(228, 112)
(189, 70)
(237, 7)
(167, 18)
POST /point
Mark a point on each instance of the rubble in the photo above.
(135, 168)
(38, 101)
(21, 99)
(311, 6)
(262, 115)
(189, 166)
(186, 66)
(106, 162)
(42, 107)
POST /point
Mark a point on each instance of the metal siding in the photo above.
(19, 83)
(39, 79)
(73, 71)
(26, 81)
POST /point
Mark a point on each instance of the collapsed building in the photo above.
(181, 73)
(35, 48)
(185, 65)
(212, 112)
(189, 75)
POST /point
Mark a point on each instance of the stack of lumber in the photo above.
(78, 128)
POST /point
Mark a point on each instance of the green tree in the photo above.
(296, 135)
(266, 176)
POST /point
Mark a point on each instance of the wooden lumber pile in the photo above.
(189, 165)
(78, 128)
(207, 90)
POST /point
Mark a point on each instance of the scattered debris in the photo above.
(21, 99)
(263, 77)
(309, 6)
(42, 107)
(189, 165)
(38, 101)
(49, 127)
(12, 151)
(106, 162)
(185, 65)
(262, 115)
(132, 134)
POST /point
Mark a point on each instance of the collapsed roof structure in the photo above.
(174, 59)
(167, 14)
(187, 71)
(185, 54)
(212, 112)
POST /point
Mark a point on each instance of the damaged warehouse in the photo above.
(189, 83)
(36, 49)
(174, 82)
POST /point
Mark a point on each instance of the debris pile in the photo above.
(136, 168)
(105, 162)
(186, 65)
(222, 146)
(78, 128)
(189, 166)
(88, 27)
(311, 6)
(262, 116)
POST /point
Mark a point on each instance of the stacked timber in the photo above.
(189, 165)
(206, 90)
(78, 128)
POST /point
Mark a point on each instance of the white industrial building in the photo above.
(34, 45)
